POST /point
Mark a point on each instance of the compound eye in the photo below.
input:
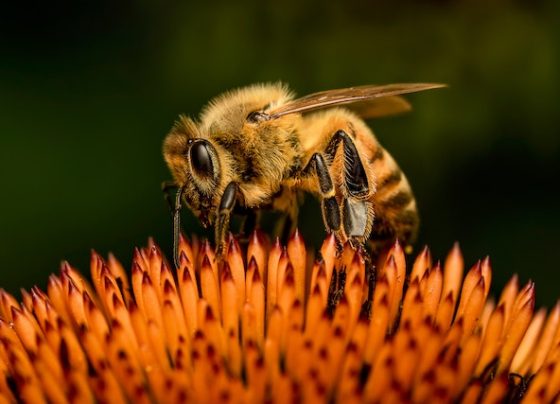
(201, 162)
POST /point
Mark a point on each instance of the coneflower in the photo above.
(273, 324)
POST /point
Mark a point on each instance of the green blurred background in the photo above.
(89, 90)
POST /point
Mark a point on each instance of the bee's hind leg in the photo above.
(355, 178)
(352, 219)
(357, 210)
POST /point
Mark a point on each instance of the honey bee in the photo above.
(260, 147)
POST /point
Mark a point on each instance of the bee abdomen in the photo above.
(398, 200)
(392, 187)
(391, 180)
(396, 218)
(395, 206)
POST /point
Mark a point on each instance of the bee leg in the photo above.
(355, 215)
(286, 201)
(280, 227)
(227, 203)
(357, 211)
(249, 223)
(355, 177)
(329, 205)
(286, 226)
(166, 187)
(177, 225)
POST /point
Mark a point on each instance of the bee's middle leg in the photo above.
(249, 222)
(286, 225)
(329, 204)
(286, 201)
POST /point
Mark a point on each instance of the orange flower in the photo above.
(270, 323)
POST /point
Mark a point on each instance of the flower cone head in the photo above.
(277, 323)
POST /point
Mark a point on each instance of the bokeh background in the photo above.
(89, 89)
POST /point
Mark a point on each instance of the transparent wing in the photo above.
(330, 98)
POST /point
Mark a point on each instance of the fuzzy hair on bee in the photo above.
(259, 147)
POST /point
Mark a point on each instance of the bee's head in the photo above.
(196, 165)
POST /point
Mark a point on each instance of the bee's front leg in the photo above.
(227, 203)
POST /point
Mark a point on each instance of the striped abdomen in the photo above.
(394, 204)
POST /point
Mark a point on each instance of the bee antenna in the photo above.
(177, 225)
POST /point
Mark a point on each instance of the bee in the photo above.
(259, 147)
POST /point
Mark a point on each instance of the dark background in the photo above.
(88, 92)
